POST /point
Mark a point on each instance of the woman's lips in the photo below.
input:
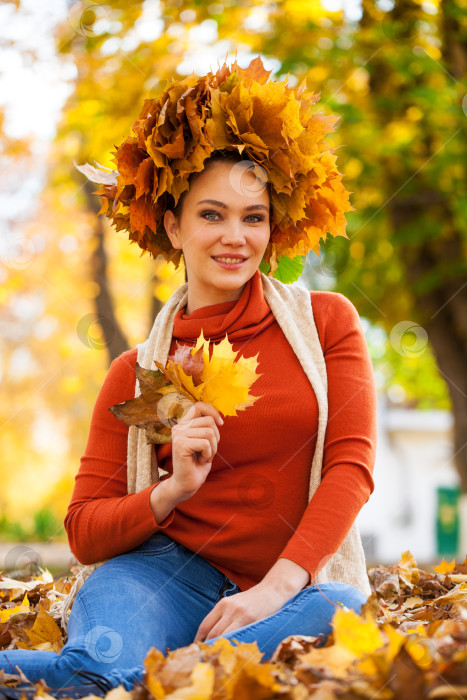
(230, 265)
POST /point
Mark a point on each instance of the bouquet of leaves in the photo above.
(222, 379)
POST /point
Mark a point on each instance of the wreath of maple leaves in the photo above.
(234, 109)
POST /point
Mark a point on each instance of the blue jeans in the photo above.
(157, 595)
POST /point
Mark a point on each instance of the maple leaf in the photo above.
(202, 671)
(408, 570)
(237, 109)
(44, 635)
(201, 685)
(223, 380)
(445, 566)
(9, 612)
(354, 638)
(102, 175)
(457, 598)
(159, 406)
(456, 572)
(392, 650)
(191, 374)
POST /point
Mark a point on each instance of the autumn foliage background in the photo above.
(74, 294)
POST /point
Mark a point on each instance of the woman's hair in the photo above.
(224, 156)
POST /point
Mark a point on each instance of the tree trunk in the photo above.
(115, 340)
(453, 44)
(441, 311)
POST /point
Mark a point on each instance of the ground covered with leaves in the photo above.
(408, 643)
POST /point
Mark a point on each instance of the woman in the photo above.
(225, 543)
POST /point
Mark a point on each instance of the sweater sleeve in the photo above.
(103, 520)
(350, 440)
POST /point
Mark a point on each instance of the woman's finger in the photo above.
(202, 445)
(185, 442)
(203, 409)
(205, 422)
(211, 619)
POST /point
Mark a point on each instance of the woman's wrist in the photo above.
(163, 499)
(286, 577)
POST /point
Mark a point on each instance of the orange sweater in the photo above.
(253, 507)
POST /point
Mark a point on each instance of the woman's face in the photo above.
(234, 224)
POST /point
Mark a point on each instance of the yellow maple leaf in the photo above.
(335, 659)
(445, 566)
(226, 378)
(408, 570)
(418, 648)
(201, 684)
(191, 374)
(243, 673)
(359, 643)
(354, 638)
(21, 608)
(153, 662)
(45, 634)
(378, 662)
(355, 634)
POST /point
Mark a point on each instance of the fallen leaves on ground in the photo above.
(409, 642)
(25, 621)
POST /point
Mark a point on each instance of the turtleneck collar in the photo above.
(240, 319)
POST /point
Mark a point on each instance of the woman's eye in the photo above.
(208, 212)
(250, 216)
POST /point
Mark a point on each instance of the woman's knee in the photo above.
(118, 629)
(100, 653)
(110, 638)
(342, 593)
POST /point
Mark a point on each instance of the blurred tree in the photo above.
(397, 77)
(115, 340)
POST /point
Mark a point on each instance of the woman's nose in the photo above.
(233, 233)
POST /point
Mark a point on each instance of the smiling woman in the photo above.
(223, 246)
(249, 532)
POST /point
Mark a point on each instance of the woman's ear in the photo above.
(171, 228)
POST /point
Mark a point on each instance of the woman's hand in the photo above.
(194, 444)
(241, 609)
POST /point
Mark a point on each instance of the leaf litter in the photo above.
(409, 642)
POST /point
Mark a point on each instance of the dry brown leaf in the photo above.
(421, 653)
(45, 634)
(216, 375)
(235, 109)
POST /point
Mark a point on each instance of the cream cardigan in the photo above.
(293, 311)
